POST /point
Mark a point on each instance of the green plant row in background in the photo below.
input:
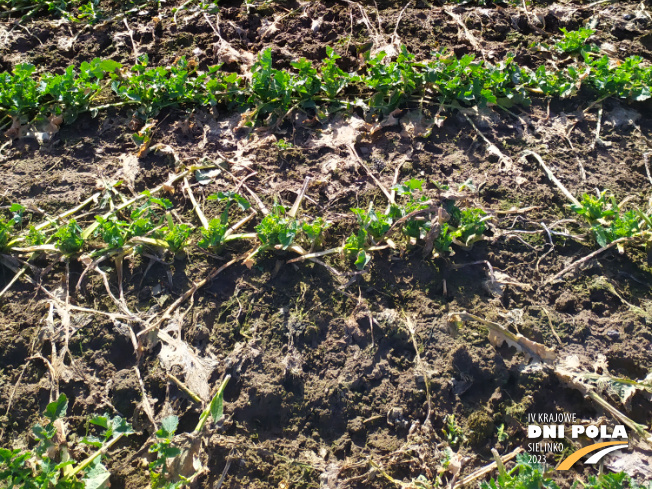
(150, 225)
(85, 11)
(269, 94)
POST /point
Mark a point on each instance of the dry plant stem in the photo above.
(239, 224)
(395, 39)
(147, 407)
(15, 278)
(310, 256)
(576, 383)
(119, 260)
(392, 199)
(480, 262)
(195, 206)
(519, 339)
(117, 302)
(421, 365)
(315, 254)
(185, 389)
(72, 308)
(355, 155)
(297, 202)
(13, 393)
(229, 459)
(597, 139)
(386, 475)
(68, 213)
(582, 170)
(550, 250)
(53, 372)
(259, 202)
(217, 32)
(131, 36)
(175, 305)
(469, 36)
(551, 176)
(589, 257)
(524, 210)
(486, 470)
(646, 160)
(551, 326)
(491, 147)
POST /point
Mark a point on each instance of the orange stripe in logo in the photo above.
(568, 462)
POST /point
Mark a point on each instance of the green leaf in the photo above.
(92, 441)
(102, 421)
(168, 427)
(57, 409)
(409, 186)
(69, 238)
(362, 260)
(216, 406)
(121, 427)
(46, 433)
(96, 475)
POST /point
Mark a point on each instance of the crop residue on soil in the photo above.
(340, 378)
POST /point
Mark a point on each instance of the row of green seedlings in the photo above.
(608, 221)
(76, 11)
(54, 461)
(269, 95)
(151, 226)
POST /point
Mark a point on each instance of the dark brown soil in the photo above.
(326, 381)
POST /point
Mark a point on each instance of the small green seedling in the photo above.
(412, 227)
(372, 225)
(376, 224)
(176, 236)
(283, 145)
(18, 211)
(452, 431)
(597, 208)
(164, 450)
(472, 224)
(69, 238)
(34, 237)
(167, 448)
(276, 229)
(524, 475)
(502, 433)
(113, 232)
(315, 229)
(602, 213)
(6, 234)
(574, 41)
(215, 236)
(356, 245)
(229, 198)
